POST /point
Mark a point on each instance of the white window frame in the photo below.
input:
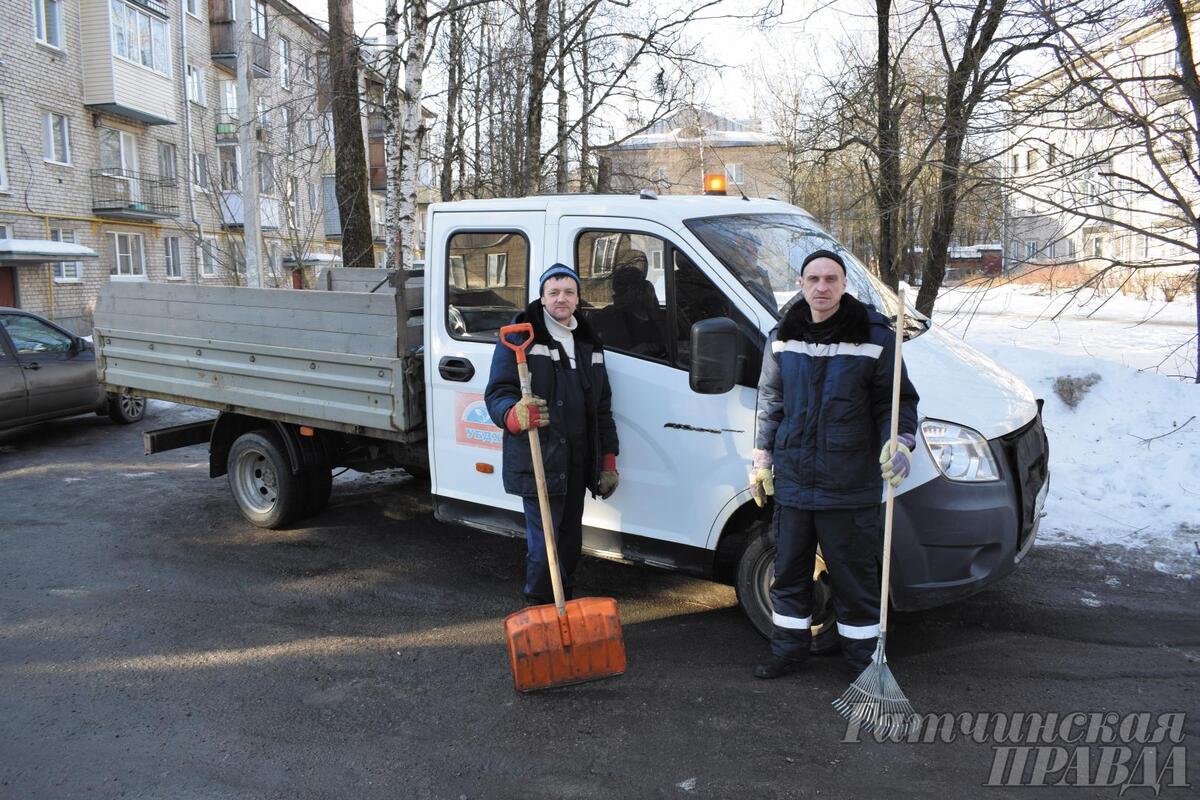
(1097, 248)
(172, 258)
(49, 149)
(137, 267)
(206, 258)
(735, 174)
(197, 89)
(41, 28)
(258, 19)
(284, 48)
(291, 187)
(192, 7)
(168, 169)
(604, 254)
(134, 19)
(458, 272)
(235, 182)
(3, 152)
(1031, 249)
(65, 271)
(497, 269)
(199, 158)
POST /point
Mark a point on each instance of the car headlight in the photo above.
(959, 453)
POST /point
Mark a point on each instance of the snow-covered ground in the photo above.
(1112, 482)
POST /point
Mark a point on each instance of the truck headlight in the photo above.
(959, 453)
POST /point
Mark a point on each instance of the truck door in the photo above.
(478, 275)
(684, 455)
(12, 386)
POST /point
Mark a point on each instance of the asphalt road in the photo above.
(155, 645)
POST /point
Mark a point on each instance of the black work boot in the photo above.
(777, 667)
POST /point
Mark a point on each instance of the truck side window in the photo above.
(697, 298)
(487, 274)
(622, 277)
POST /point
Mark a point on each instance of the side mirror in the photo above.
(715, 356)
(78, 345)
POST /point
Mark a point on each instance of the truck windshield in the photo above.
(765, 252)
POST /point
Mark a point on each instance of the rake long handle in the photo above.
(889, 506)
(539, 474)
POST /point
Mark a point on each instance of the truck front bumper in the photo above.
(953, 538)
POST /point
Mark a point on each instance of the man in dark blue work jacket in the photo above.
(821, 447)
(571, 410)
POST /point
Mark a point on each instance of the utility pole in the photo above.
(246, 144)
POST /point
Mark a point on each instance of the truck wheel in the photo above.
(125, 409)
(756, 572)
(261, 479)
(319, 487)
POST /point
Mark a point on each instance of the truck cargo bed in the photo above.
(328, 359)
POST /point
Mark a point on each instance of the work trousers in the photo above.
(567, 511)
(850, 543)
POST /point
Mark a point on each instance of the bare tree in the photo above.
(358, 249)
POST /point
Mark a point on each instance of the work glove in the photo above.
(762, 477)
(896, 462)
(529, 412)
(609, 477)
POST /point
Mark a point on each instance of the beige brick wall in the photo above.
(35, 79)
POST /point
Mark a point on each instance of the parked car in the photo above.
(46, 373)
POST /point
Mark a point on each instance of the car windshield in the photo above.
(765, 251)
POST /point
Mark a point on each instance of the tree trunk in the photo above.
(413, 133)
(585, 140)
(391, 144)
(561, 175)
(532, 174)
(888, 142)
(453, 88)
(350, 155)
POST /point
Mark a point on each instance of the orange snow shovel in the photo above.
(567, 642)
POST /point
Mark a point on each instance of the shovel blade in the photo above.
(540, 656)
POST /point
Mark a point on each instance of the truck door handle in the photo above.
(32, 365)
(453, 368)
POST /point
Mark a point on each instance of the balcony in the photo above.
(227, 127)
(234, 216)
(377, 164)
(223, 47)
(125, 194)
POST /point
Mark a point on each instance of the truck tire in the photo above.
(756, 571)
(261, 480)
(125, 409)
(319, 487)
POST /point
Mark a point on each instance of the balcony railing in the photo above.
(125, 194)
(223, 46)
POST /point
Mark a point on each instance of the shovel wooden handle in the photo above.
(539, 470)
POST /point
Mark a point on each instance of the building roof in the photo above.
(692, 127)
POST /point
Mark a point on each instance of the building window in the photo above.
(266, 173)
(118, 152)
(1053, 155)
(3, 156)
(735, 174)
(128, 260)
(171, 255)
(196, 89)
(193, 7)
(65, 271)
(1031, 249)
(200, 176)
(290, 189)
(230, 159)
(56, 131)
(1097, 248)
(206, 257)
(285, 62)
(258, 19)
(497, 269)
(47, 22)
(140, 37)
(1030, 160)
(1016, 163)
(166, 161)
(285, 116)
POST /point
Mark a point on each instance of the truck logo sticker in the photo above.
(472, 425)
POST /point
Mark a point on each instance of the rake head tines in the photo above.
(875, 700)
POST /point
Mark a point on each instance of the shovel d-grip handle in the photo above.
(518, 349)
(539, 473)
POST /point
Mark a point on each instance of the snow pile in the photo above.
(1125, 462)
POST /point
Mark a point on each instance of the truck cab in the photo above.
(684, 292)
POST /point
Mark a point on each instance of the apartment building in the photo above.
(1086, 179)
(119, 133)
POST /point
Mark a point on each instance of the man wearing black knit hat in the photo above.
(570, 411)
(822, 450)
